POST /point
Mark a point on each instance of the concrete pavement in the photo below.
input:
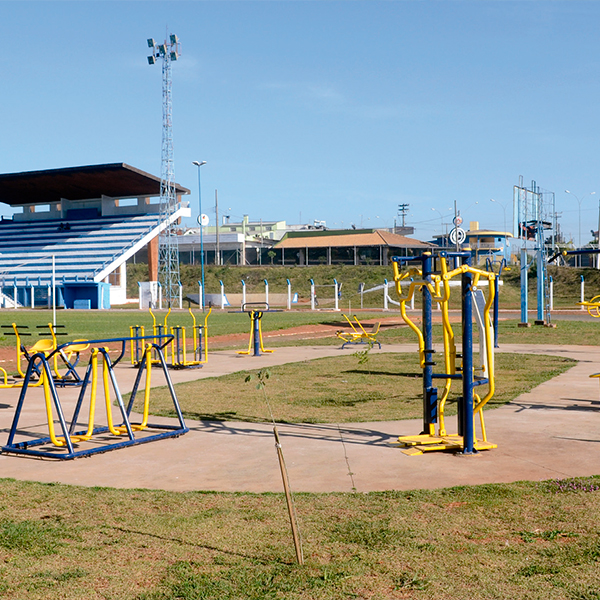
(553, 431)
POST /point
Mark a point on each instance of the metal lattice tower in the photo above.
(534, 209)
(168, 250)
(534, 214)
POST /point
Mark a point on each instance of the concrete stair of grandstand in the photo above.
(82, 248)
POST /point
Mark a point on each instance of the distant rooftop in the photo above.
(116, 180)
(348, 238)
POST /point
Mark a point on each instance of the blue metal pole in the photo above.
(429, 392)
(524, 286)
(541, 276)
(466, 412)
(256, 315)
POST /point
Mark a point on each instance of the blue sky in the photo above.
(337, 111)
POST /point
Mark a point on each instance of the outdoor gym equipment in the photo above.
(489, 265)
(68, 358)
(138, 332)
(358, 335)
(436, 288)
(255, 345)
(104, 437)
(178, 346)
(200, 344)
(593, 305)
(314, 302)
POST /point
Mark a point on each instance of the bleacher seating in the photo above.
(83, 249)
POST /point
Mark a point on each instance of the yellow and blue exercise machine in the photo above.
(102, 438)
(489, 265)
(435, 287)
(255, 345)
(62, 358)
(358, 334)
(178, 347)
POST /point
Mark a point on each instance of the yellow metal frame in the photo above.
(72, 351)
(360, 335)
(155, 333)
(439, 289)
(593, 307)
(45, 346)
(60, 441)
(133, 332)
(260, 337)
(197, 351)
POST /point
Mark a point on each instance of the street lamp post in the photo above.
(503, 209)
(444, 236)
(579, 201)
(199, 164)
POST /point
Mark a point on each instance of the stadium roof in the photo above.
(117, 180)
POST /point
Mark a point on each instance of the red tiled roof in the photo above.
(375, 238)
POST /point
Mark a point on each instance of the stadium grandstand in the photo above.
(78, 226)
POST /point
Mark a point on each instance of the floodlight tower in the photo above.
(168, 251)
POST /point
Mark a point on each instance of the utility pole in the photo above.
(261, 243)
(402, 211)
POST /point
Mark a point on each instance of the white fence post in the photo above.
(551, 299)
(200, 295)
(412, 299)
(159, 296)
(385, 294)
(582, 292)
(222, 295)
(180, 295)
(335, 290)
(289, 298)
(266, 292)
(243, 293)
(312, 295)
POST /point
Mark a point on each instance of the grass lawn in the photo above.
(116, 323)
(519, 541)
(586, 333)
(528, 540)
(340, 390)
(582, 333)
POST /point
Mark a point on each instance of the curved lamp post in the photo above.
(199, 164)
(579, 201)
(445, 239)
(504, 206)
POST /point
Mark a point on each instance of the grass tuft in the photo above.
(574, 484)
(33, 537)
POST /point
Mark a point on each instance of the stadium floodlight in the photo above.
(174, 39)
(150, 42)
(168, 252)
